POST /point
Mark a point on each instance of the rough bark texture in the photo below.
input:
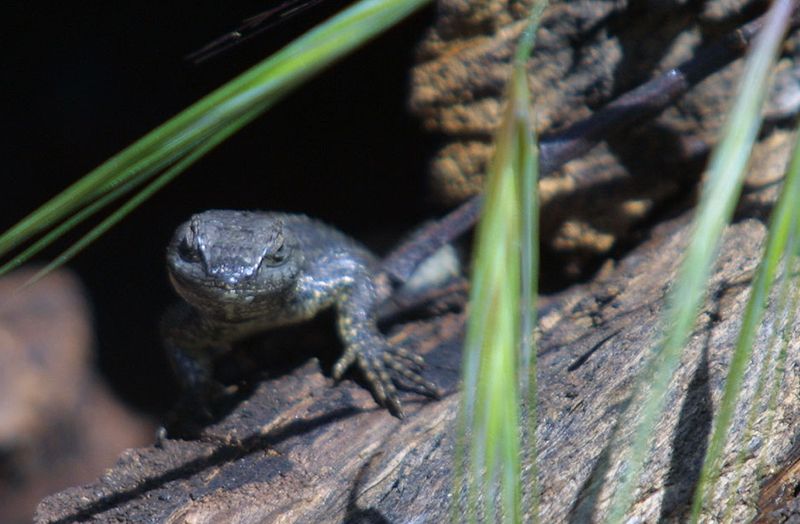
(303, 450)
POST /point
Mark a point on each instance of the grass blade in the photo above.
(528, 163)
(771, 372)
(499, 342)
(723, 184)
(783, 228)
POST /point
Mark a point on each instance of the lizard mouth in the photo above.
(216, 300)
(232, 289)
(202, 290)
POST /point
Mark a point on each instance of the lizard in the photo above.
(245, 272)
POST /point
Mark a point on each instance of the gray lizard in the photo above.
(243, 272)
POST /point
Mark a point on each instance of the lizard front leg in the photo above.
(186, 337)
(381, 362)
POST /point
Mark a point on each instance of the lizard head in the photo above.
(226, 263)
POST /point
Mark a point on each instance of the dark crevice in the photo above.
(581, 360)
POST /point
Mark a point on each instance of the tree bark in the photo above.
(301, 449)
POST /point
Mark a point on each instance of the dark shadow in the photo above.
(689, 443)
(658, 26)
(284, 350)
(222, 455)
(281, 351)
(585, 506)
(366, 516)
(669, 184)
(356, 515)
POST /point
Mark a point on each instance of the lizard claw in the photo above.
(344, 362)
(384, 366)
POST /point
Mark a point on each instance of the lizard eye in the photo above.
(187, 251)
(277, 257)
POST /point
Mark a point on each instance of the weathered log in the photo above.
(301, 449)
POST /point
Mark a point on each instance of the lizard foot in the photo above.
(384, 366)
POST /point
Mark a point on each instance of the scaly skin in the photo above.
(245, 272)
